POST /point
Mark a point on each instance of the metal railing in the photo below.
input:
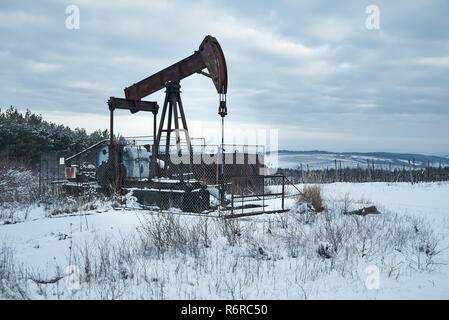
(251, 196)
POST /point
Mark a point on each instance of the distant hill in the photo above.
(319, 159)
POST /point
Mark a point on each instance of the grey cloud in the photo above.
(305, 65)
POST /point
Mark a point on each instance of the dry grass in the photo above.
(312, 196)
(179, 258)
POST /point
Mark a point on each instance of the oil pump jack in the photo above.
(209, 61)
(209, 56)
(147, 171)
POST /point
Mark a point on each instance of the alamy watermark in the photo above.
(372, 280)
(254, 144)
(372, 21)
(72, 21)
(72, 279)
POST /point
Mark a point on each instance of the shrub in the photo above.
(312, 196)
(164, 232)
(19, 189)
(12, 285)
(231, 229)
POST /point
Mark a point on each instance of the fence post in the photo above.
(413, 172)
(263, 193)
(283, 191)
(40, 176)
(336, 171)
(243, 198)
(232, 198)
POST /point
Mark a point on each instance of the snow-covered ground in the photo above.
(322, 160)
(429, 201)
(263, 262)
(426, 200)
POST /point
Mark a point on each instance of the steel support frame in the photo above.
(172, 104)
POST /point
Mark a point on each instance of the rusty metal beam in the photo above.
(132, 105)
(173, 73)
(209, 55)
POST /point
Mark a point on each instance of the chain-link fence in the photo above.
(198, 178)
(51, 175)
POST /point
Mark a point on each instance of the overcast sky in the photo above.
(311, 70)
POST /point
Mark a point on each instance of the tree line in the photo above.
(25, 136)
(369, 174)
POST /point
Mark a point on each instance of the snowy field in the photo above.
(121, 253)
(326, 160)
